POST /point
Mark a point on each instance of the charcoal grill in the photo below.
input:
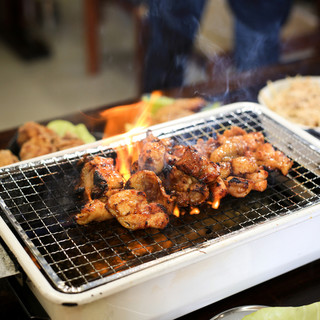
(103, 269)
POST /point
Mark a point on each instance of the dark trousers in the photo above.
(173, 26)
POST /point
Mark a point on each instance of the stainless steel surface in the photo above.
(237, 313)
(7, 267)
(39, 202)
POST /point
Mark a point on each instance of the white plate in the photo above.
(273, 88)
(237, 313)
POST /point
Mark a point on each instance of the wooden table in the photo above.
(298, 287)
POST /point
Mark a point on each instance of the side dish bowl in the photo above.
(295, 98)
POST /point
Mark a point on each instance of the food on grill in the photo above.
(168, 176)
(148, 182)
(99, 176)
(268, 157)
(238, 187)
(195, 165)
(232, 146)
(152, 154)
(186, 189)
(7, 157)
(131, 208)
(94, 210)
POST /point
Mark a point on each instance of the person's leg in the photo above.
(173, 25)
(254, 48)
(257, 31)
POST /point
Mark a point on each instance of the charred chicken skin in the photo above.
(168, 175)
(98, 176)
(187, 190)
(195, 165)
(148, 182)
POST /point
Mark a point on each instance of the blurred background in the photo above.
(62, 56)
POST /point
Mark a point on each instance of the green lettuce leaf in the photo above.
(308, 312)
(61, 127)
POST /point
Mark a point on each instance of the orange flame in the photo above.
(176, 211)
(127, 119)
(194, 211)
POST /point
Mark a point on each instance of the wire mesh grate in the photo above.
(39, 201)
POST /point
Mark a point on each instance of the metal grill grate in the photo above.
(39, 201)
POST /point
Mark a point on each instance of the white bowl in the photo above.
(272, 89)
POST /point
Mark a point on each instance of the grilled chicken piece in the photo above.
(152, 154)
(187, 190)
(99, 175)
(36, 146)
(242, 165)
(195, 165)
(7, 157)
(148, 182)
(267, 156)
(94, 210)
(69, 140)
(259, 179)
(236, 146)
(32, 129)
(174, 153)
(36, 140)
(238, 187)
(229, 133)
(218, 191)
(225, 169)
(205, 148)
(132, 210)
(229, 150)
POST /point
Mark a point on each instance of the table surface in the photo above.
(297, 287)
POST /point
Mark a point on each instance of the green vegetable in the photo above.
(212, 106)
(157, 102)
(61, 127)
(308, 312)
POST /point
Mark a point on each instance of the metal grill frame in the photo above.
(251, 118)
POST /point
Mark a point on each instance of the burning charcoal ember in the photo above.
(151, 185)
(187, 190)
(99, 175)
(94, 210)
(132, 210)
(193, 164)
